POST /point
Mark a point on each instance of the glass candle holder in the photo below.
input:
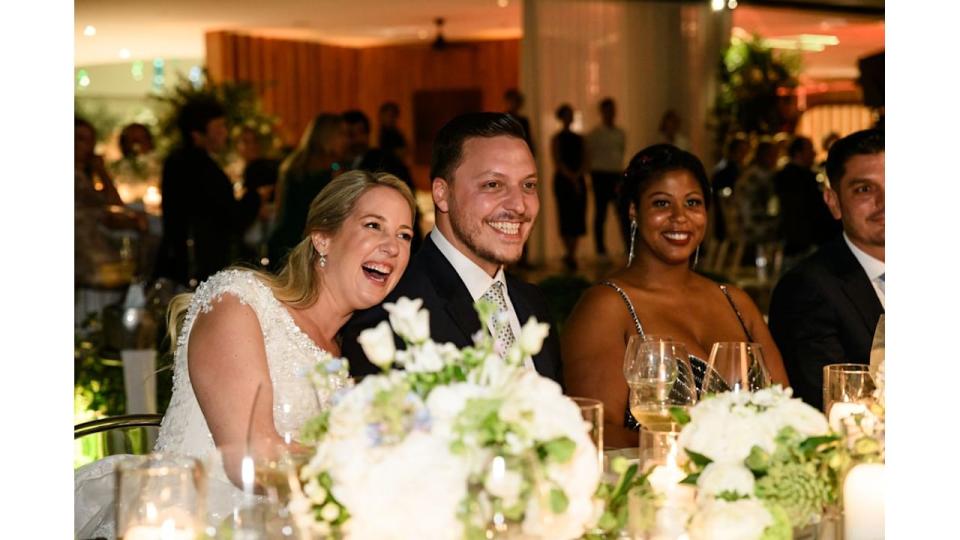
(847, 389)
(160, 496)
(592, 412)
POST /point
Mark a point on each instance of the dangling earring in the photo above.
(323, 260)
(696, 256)
(633, 240)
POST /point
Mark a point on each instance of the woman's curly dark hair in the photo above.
(653, 162)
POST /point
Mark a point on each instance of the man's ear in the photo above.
(441, 194)
(832, 201)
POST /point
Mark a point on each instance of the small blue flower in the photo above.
(375, 434)
(422, 420)
(334, 365)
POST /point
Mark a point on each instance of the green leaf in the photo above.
(691, 479)
(812, 443)
(699, 460)
(558, 501)
(559, 450)
(758, 461)
(608, 521)
(731, 496)
(680, 415)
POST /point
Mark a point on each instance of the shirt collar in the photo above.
(474, 277)
(873, 267)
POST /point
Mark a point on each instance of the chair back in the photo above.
(127, 434)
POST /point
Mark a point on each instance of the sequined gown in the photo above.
(291, 356)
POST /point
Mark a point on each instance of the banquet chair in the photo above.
(127, 434)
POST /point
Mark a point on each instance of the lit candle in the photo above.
(863, 492)
(841, 410)
(167, 531)
(152, 199)
(677, 500)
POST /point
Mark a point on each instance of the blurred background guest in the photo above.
(606, 144)
(569, 155)
(826, 309)
(260, 174)
(658, 293)
(513, 102)
(303, 174)
(135, 140)
(391, 139)
(670, 125)
(202, 219)
(805, 221)
(754, 196)
(724, 180)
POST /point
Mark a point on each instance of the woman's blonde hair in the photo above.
(298, 283)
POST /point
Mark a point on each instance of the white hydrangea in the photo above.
(719, 477)
(718, 519)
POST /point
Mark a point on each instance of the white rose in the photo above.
(330, 512)
(424, 358)
(719, 477)
(532, 335)
(377, 344)
(408, 320)
(745, 519)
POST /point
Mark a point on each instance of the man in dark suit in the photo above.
(203, 222)
(486, 200)
(805, 221)
(826, 309)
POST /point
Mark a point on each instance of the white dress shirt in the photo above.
(475, 278)
(874, 268)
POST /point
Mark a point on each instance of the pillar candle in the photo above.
(863, 492)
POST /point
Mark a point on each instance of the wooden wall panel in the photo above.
(299, 79)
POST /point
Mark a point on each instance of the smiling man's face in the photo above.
(487, 209)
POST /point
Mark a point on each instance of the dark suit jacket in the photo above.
(805, 220)
(198, 203)
(824, 311)
(452, 317)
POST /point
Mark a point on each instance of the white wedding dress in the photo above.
(291, 357)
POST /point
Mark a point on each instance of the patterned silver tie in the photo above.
(502, 330)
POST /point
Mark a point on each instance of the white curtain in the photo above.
(648, 56)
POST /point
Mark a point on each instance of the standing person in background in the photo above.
(670, 126)
(305, 172)
(805, 221)
(391, 139)
(606, 144)
(754, 193)
(725, 176)
(135, 140)
(569, 154)
(202, 219)
(260, 173)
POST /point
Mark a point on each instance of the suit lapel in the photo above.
(459, 303)
(857, 287)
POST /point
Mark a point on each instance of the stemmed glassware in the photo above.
(735, 366)
(847, 389)
(660, 377)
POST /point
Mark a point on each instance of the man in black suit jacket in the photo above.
(826, 309)
(486, 200)
(203, 222)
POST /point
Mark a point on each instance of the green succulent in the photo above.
(780, 529)
(797, 487)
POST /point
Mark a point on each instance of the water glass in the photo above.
(847, 389)
(592, 412)
(735, 367)
(160, 496)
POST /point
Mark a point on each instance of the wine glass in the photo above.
(295, 401)
(660, 378)
(160, 495)
(847, 389)
(592, 412)
(734, 367)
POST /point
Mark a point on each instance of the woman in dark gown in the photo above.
(668, 193)
(570, 164)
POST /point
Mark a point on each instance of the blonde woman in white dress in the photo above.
(245, 329)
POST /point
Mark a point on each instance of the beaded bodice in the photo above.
(291, 356)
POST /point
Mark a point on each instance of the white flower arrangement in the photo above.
(763, 464)
(459, 441)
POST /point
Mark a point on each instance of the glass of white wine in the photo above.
(734, 367)
(660, 378)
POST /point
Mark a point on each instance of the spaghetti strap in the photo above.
(737, 311)
(626, 300)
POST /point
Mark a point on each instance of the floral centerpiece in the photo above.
(460, 443)
(764, 464)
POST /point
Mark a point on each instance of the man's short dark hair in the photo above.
(448, 144)
(390, 106)
(797, 145)
(356, 116)
(607, 102)
(195, 115)
(866, 142)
